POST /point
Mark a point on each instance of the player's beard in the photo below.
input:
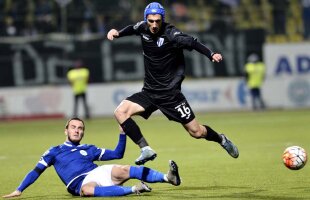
(154, 30)
(74, 140)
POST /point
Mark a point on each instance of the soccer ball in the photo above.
(294, 157)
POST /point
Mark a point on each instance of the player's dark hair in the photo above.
(74, 118)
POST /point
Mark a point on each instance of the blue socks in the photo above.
(142, 173)
(110, 191)
(146, 174)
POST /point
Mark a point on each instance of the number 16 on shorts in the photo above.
(184, 110)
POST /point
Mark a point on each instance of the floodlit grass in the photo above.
(207, 171)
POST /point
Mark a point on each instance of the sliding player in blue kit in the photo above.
(164, 63)
(74, 164)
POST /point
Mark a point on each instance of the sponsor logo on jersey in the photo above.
(145, 37)
(83, 153)
(160, 42)
(137, 25)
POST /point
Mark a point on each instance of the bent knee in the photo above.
(87, 190)
(121, 113)
(121, 171)
(196, 133)
(120, 174)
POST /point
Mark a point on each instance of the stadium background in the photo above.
(37, 48)
(41, 40)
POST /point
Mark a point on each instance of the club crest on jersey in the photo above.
(83, 153)
(160, 42)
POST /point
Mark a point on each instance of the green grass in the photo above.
(207, 171)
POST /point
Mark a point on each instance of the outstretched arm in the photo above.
(119, 150)
(128, 30)
(30, 178)
(188, 42)
(214, 57)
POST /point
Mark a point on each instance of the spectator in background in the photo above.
(9, 27)
(86, 29)
(306, 17)
(44, 16)
(279, 10)
(101, 24)
(223, 20)
(17, 10)
(29, 28)
(89, 10)
(255, 75)
(179, 12)
(78, 77)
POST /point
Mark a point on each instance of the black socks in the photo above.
(133, 131)
(212, 135)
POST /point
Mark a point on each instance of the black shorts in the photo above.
(173, 105)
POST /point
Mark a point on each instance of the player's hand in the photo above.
(16, 193)
(217, 57)
(112, 34)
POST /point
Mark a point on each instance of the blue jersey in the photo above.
(73, 162)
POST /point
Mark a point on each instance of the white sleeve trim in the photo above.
(102, 152)
(43, 162)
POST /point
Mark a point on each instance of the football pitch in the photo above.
(207, 171)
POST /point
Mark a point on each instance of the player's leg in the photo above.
(203, 131)
(99, 183)
(107, 180)
(134, 105)
(93, 190)
(260, 99)
(122, 173)
(75, 105)
(152, 176)
(254, 98)
(123, 114)
(85, 105)
(179, 110)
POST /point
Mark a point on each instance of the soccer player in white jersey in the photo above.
(74, 164)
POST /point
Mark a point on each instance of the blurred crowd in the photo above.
(282, 20)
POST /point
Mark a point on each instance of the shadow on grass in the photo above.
(199, 192)
(224, 192)
(40, 197)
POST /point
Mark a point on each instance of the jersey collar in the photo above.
(71, 144)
